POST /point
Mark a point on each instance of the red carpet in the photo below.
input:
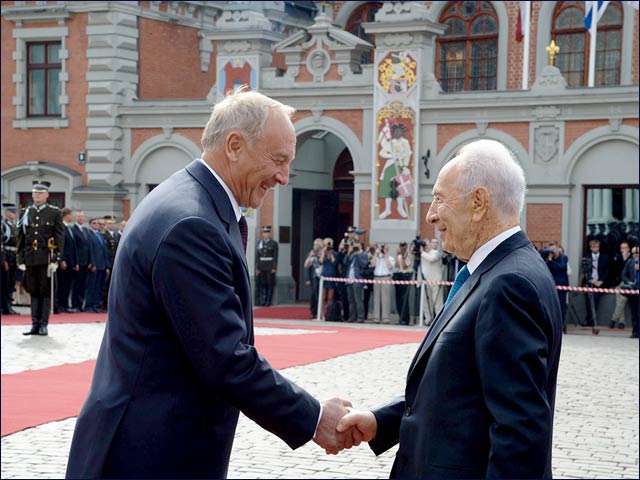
(65, 387)
(283, 313)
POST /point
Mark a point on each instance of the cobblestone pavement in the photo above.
(596, 423)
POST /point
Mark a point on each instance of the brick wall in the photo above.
(170, 62)
(575, 129)
(544, 223)
(59, 146)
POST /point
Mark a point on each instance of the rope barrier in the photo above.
(621, 291)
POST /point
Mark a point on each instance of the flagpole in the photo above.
(525, 57)
(593, 32)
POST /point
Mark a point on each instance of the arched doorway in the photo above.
(322, 198)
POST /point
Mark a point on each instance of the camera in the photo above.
(545, 252)
(417, 245)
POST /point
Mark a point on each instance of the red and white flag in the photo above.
(522, 9)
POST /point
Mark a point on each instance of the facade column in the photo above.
(607, 203)
(597, 205)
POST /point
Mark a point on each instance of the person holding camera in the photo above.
(329, 262)
(355, 261)
(431, 269)
(313, 266)
(595, 273)
(619, 263)
(558, 264)
(383, 264)
(404, 271)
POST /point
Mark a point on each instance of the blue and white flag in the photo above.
(600, 6)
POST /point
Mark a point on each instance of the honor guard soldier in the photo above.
(266, 265)
(9, 250)
(40, 240)
(111, 239)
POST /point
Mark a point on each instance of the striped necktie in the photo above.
(244, 231)
(461, 277)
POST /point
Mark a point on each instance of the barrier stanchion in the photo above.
(320, 287)
(423, 285)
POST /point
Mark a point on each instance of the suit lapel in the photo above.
(222, 205)
(517, 240)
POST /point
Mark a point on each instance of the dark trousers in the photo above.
(313, 302)
(367, 290)
(634, 302)
(38, 286)
(95, 284)
(562, 297)
(402, 303)
(79, 287)
(591, 320)
(265, 282)
(65, 278)
(356, 302)
(8, 286)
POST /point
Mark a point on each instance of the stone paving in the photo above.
(596, 425)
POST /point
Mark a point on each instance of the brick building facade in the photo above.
(130, 85)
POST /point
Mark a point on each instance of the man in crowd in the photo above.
(480, 393)
(619, 263)
(68, 264)
(431, 266)
(355, 261)
(40, 241)
(177, 363)
(266, 266)
(99, 267)
(9, 249)
(595, 273)
(111, 238)
(79, 283)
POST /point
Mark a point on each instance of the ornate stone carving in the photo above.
(546, 140)
(481, 127)
(550, 79)
(394, 40)
(236, 47)
(401, 11)
(614, 124)
(546, 112)
(316, 113)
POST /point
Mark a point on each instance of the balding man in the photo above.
(480, 392)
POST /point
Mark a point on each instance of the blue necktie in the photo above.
(461, 277)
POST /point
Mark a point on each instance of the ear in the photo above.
(479, 203)
(233, 146)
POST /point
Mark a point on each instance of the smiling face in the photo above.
(262, 165)
(452, 214)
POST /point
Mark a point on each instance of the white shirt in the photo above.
(483, 252)
(232, 198)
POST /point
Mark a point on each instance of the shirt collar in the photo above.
(483, 252)
(232, 198)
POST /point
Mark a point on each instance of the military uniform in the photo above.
(39, 229)
(9, 250)
(111, 240)
(266, 265)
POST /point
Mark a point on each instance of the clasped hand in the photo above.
(341, 427)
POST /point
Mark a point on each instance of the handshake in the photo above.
(343, 427)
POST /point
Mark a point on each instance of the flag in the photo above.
(600, 6)
(522, 9)
(385, 133)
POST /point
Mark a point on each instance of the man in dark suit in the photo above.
(480, 392)
(595, 273)
(68, 263)
(99, 267)
(79, 283)
(177, 362)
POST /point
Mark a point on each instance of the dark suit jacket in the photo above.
(69, 250)
(177, 361)
(82, 245)
(480, 392)
(98, 251)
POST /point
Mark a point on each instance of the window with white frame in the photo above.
(43, 79)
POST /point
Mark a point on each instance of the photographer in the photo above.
(558, 263)
(355, 262)
(431, 268)
(329, 262)
(595, 273)
(312, 264)
(383, 264)
(619, 263)
(404, 271)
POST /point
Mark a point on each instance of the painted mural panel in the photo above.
(395, 146)
(235, 72)
(397, 72)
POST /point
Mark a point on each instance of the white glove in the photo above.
(51, 269)
(22, 267)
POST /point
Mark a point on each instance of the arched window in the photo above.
(573, 39)
(467, 53)
(363, 14)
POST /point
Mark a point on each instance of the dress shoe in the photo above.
(72, 310)
(621, 325)
(43, 331)
(612, 324)
(34, 330)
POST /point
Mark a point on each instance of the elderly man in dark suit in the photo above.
(177, 363)
(480, 394)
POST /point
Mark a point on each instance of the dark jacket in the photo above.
(558, 269)
(177, 362)
(35, 228)
(69, 251)
(359, 261)
(82, 245)
(98, 250)
(480, 392)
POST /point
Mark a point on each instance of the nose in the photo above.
(282, 177)
(432, 214)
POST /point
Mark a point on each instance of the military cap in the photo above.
(109, 219)
(11, 207)
(40, 186)
(592, 225)
(351, 229)
(403, 244)
(601, 225)
(266, 229)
